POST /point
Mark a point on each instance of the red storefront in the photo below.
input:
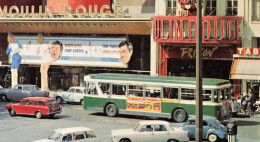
(176, 36)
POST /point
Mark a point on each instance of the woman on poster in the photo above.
(49, 54)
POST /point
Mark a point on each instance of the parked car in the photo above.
(74, 94)
(235, 108)
(38, 106)
(150, 131)
(19, 92)
(212, 128)
(79, 134)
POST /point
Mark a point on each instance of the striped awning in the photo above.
(245, 68)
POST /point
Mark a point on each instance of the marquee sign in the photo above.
(248, 51)
(81, 12)
(179, 29)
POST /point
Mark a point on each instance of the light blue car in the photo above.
(213, 130)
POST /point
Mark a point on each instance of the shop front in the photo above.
(245, 71)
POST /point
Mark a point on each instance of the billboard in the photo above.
(95, 52)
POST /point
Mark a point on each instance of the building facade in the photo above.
(163, 33)
(92, 27)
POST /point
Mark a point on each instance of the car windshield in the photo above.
(55, 136)
(136, 127)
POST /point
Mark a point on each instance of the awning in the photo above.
(244, 68)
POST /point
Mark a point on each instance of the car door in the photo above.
(22, 107)
(145, 134)
(160, 134)
(32, 106)
(76, 96)
(14, 93)
(205, 129)
(66, 96)
(190, 127)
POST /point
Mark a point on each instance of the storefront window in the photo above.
(231, 7)
(256, 10)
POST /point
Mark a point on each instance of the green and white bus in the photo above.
(155, 96)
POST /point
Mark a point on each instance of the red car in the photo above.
(38, 106)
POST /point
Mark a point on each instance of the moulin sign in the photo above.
(182, 29)
(81, 12)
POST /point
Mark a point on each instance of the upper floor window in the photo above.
(231, 7)
(210, 8)
(171, 9)
(256, 10)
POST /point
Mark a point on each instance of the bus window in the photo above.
(206, 95)
(104, 87)
(187, 94)
(170, 93)
(136, 90)
(119, 89)
(153, 91)
(222, 94)
(228, 93)
(92, 89)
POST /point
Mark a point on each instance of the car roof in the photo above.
(38, 98)
(72, 130)
(151, 122)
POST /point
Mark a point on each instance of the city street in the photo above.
(28, 128)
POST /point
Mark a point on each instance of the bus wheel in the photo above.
(111, 110)
(179, 115)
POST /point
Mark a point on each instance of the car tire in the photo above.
(59, 100)
(51, 115)
(125, 140)
(111, 110)
(4, 98)
(38, 114)
(179, 115)
(81, 102)
(12, 112)
(212, 137)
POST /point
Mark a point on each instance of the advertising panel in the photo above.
(96, 52)
(143, 104)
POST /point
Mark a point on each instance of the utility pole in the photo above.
(199, 113)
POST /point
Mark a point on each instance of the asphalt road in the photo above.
(28, 128)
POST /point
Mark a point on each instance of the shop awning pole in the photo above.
(199, 113)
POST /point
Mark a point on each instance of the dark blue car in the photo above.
(213, 130)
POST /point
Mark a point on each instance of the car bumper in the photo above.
(53, 112)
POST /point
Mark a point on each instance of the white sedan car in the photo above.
(150, 131)
(78, 134)
(73, 95)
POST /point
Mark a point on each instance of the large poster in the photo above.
(97, 52)
(143, 104)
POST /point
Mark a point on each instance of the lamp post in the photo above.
(199, 113)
